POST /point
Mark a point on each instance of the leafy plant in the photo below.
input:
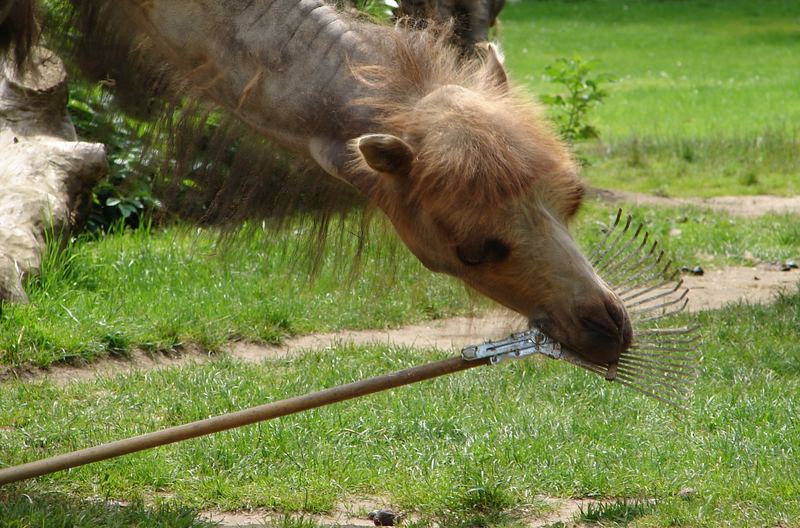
(380, 10)
(126, 193)
(584, 90)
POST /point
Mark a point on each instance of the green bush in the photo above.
(584, 90)
(126, 193)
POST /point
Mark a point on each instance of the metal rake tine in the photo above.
(642, 277)
(669, 331)
(625, 247)
(652, 394)
(664, 315)
(664, 383)
(677, 368)
(592, 368)
(664, 342)
(653, 384)
(579, 361)
(662, 305)
(657, 296)
(632, 272)
(663, 386)
(625, 266)
(613, 244)
(663, 349)
(626, 277)
(670, 348)
(666, 350)
(669, 280)
(683, 359)
(599, 247)
(670, 361)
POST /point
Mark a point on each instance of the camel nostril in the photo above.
(617, 314)
(608, 322)
(606, 319)
(602, 325)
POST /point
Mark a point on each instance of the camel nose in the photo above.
(607, 330)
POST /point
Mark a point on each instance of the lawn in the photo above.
(706, 101)
(706, 104)
(467, 449)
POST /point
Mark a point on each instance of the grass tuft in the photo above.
(620, 512)
(60, 511)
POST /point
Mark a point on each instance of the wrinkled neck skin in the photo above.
(283, 67)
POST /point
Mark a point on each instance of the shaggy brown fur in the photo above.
(471, 18)
(491, 143)
(18, 29)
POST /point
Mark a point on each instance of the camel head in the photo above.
(479, 187)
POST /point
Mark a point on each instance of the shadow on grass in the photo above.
(58, 510)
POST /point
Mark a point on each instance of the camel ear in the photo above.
(493, 59)
(386, 153)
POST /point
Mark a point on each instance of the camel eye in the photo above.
(482, 252)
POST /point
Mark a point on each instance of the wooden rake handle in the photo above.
(232, 420)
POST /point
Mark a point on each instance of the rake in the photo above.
(662, 362)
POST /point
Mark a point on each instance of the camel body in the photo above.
(470, 174)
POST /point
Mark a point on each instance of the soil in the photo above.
(744, 206)
(353, 514)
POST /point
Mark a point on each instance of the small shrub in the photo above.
(687, 152)
(749, 178)
(126, 193)
(584, 90)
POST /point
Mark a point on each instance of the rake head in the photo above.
(663, 360)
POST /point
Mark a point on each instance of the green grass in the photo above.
(768, 163)
(706, 104)
(706, 98)
(156, 290)
(692, 235)
(618, 512)
(477, 445)
(51, 510)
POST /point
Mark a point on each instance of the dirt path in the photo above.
(353, 514)
(745, 206)
(710, 291)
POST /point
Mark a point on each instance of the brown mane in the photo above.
(507, 141)
(19, 31)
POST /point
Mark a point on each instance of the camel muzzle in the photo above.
(635, 348)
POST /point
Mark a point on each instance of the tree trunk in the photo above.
(46, 174)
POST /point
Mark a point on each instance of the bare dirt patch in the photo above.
(350, 514)
(744, 206)
(353, 514)
(714, 289)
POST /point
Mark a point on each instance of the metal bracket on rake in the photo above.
(516, 346)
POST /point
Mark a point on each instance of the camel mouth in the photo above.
(594, 343)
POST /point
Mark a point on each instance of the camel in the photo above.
(471, 18)
(460, 160)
